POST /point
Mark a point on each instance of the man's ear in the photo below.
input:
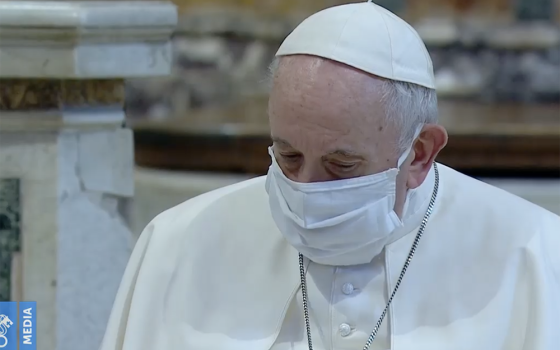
(427, 146)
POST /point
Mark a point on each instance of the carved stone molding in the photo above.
(24, 95)
(85, 39)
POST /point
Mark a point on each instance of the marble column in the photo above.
(66, 158)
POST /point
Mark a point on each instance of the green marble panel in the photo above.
(10, 223)
(532, 10)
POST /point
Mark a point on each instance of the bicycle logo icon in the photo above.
(5, 323)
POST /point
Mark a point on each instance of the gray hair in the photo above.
(409, 106)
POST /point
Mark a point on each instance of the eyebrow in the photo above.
(344, 153)
(280, 141)
(339, 152)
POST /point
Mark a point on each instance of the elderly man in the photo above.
(356, 238)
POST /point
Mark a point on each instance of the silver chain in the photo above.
(401, 276)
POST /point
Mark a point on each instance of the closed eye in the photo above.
(290, 157)
(345, 166)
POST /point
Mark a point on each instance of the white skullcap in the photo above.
(367, 37)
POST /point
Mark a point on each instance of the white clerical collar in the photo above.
(416, 204)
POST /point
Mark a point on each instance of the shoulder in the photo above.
(487, 221)
(230, 202)
(488, 228)
(230, 221)
(545, 243)
(477, 199)
(237, 216)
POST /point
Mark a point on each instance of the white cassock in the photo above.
(214, 273)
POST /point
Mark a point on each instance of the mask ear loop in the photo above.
(406, 153)
(400, 162)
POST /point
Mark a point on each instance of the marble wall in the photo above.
(66, 158)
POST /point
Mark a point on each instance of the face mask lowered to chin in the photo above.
(338, 223)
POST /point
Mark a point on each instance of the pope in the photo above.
(356, 238)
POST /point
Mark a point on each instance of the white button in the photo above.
(344, 329)
(347, 288)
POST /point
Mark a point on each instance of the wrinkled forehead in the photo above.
(320, 106)
(299, 73)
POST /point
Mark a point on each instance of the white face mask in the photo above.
(341, 222)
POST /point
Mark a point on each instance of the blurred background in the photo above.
(204, 126)
(497, 66)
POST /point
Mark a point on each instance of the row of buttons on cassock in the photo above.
(344, 329)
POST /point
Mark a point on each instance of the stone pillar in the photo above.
(66, 159)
